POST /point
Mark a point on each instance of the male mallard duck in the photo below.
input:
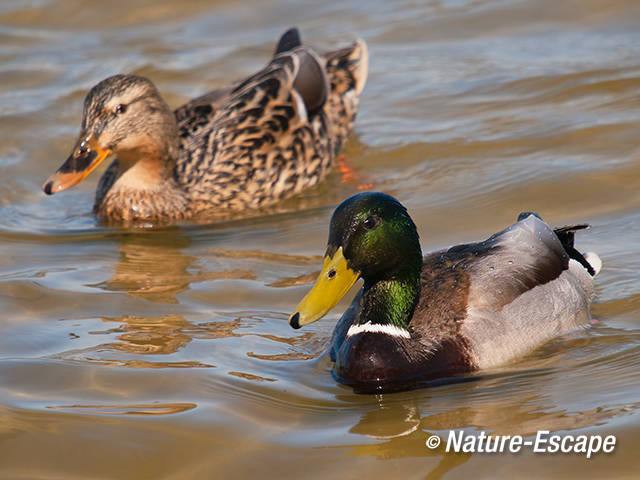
(470, 307)
(243, 146)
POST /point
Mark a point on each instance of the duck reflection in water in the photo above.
(152, 266)
(152, 271)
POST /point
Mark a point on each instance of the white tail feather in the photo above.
(594, 260)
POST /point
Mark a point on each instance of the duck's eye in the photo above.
(371, 222)
(331, 274)
(120, 109)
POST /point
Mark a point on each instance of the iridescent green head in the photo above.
(371, 236)
(376, 234)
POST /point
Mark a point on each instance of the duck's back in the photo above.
(273, 134)
(506, 295)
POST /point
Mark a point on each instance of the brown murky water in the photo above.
(166, 354)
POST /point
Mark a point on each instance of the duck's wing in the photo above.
(347, 71)
(505, 295)
(306, 73)
(195, 117)
(288, 41)
(264, 135)
(197, 114)
(283, 93)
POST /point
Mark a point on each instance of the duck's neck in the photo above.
(147, 169)
(141, 185)
(392, 301)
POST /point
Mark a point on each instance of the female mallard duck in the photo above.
(469, 307)
(240, 147)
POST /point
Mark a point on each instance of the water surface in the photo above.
(166, 353)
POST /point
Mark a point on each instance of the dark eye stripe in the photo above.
(122, 107)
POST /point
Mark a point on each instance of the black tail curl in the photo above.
(566, 235)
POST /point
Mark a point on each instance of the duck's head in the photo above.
(371, 236)
(122, 115)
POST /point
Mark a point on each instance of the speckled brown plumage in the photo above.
(244, 146)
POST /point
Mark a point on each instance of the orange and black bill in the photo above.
(86, 156)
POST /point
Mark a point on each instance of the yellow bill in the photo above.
(334, 281)
(86, 156)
